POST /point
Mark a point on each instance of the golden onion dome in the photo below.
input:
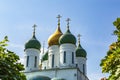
(54, 38)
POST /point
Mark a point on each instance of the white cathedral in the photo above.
(62, 61)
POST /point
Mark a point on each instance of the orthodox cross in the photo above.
(68, 20)
(79, 38)
(59, 16)
(34, 26)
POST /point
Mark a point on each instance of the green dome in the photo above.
(67, 38)
(80, 52)
(40, 78)
(45, 57)
(33, 43)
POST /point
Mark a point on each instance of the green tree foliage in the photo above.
(111, 62)
(10, 68)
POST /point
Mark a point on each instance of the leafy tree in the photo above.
(10, 68)
(111, 62)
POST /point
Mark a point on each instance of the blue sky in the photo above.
(91, 18)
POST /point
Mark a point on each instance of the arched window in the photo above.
(72, 57)
(53, 60)
(76, 65)
(27, 61)
(35, 63)
(64, 57)
(45, 67)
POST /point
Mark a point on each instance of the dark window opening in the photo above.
(52, 60)
(77, 65)
(72, 57)
(27, 61)
(35, 64)
(44, 67)
(84, 69)
(64, 59)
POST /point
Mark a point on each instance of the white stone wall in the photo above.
(80, 61)
(45, 64)
(81, 76)
(67, 74)
(69, 48)
(53, 50)
(31, 53)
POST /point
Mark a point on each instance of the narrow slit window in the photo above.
(84, 69)
(64, 59)
(27, 61)
(72, 57)
(35, 64)
(52, 60)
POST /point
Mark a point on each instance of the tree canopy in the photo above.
(111, 62)
(10, 67)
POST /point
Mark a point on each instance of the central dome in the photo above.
(54, 38)
(67, 38)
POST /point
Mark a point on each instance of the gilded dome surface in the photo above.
(54, 38)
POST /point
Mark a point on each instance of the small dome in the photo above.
(33, 43)
(40, 78)
(54, 38)
(67, 38)
(80, 52)
(45, 56)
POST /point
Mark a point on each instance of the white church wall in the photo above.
(31, 53)
(67, 74)
(68, 48)
(81, 76)
(80, 61)
(53, 50)
(47, 73)
(45, 64)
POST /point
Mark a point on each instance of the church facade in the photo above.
(62, 61)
